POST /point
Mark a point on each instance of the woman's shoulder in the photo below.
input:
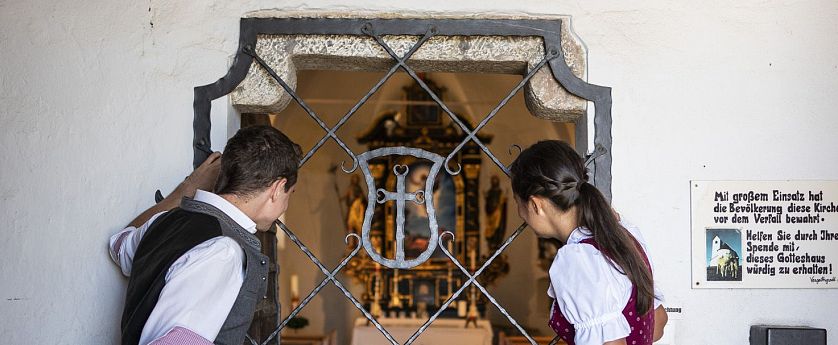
(582, 276)
(575, 257)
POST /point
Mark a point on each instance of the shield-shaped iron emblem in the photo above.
(401, 197)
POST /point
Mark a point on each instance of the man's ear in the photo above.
(278, 187)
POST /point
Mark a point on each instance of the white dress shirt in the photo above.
(590, 291)
(201, 285)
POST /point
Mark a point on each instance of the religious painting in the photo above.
(416, 225)
(424, 292)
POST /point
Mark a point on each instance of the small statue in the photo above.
(356, 205)
(495, 208)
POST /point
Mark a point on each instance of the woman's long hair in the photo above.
(552, 169)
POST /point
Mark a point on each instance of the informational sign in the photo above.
(764, 234)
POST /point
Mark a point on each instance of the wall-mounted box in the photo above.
(787, 335)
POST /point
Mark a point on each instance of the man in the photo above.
(195, 266)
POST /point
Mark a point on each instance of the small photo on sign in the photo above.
(723, 255)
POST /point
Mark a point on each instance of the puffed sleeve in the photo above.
(635, 231)
(589, 295)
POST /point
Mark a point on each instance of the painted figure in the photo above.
(495, 208)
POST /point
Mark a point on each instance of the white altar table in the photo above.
(441, 331)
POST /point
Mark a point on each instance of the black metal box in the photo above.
(787, 335)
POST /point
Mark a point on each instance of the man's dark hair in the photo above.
(256, 157)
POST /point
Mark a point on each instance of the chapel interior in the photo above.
(476, 205)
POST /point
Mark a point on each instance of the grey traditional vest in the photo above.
(255, 282)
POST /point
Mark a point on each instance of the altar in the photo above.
(439, 332)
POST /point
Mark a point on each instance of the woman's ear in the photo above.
(535, 204)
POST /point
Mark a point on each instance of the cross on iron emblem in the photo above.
(401, 196)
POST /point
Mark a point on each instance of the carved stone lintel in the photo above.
(287, 54)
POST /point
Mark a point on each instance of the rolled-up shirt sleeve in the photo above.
(585, 290)
(123, 245)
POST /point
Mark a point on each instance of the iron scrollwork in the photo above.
(548, 30)
(400, 196)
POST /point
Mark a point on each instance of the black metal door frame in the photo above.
(548, 30)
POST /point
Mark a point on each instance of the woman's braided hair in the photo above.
(552, 169)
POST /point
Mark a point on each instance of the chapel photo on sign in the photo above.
(723, 260)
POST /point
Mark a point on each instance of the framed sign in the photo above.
(764, 234)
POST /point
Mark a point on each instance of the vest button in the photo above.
(263, 262)
(263, 278)
(265, 297)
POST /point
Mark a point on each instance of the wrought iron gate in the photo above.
(547, 30)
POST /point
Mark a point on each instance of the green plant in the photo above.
(297, 322)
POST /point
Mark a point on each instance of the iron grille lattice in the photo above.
(548, 30)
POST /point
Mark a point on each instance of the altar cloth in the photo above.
(441, 331)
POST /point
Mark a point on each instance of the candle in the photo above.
(295, 286)
(462, 308)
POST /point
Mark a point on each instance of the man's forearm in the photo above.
(168, 203)
(203, 177)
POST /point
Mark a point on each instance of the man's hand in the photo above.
(203, 177)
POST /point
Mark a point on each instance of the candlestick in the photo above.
(449, 280)
(395, 300)
(473, 257)
(375, 308)
(473, 314)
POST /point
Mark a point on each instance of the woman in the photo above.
(601, 279)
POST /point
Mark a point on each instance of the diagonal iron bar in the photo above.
(329, 276)
(472, 279)
(337, 282)
(249, 51)
(376, 29)
(331, 132)
(427, 89)
(472, 135)
(371, 92)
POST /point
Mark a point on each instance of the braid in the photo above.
(552, 169)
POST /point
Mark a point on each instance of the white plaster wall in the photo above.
(95, 114)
